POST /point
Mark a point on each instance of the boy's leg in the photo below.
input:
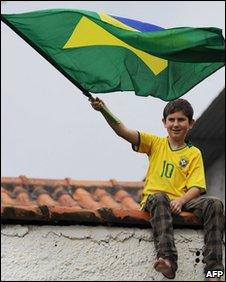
(161, 221)
(211, 212)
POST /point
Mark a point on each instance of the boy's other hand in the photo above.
(176, 206)
(97, 104)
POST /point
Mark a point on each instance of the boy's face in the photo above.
(177, 125)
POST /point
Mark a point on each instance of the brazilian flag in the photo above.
(101, 53)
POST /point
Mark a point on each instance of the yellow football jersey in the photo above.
(171, 171)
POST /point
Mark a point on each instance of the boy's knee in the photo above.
(161, 197)
(215, 205)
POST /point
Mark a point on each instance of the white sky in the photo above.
(49, 129)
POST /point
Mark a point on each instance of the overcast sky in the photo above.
(49, 129)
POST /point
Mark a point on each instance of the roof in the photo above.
(208, 132)
(67, 201)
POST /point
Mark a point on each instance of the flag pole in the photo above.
(87, 94)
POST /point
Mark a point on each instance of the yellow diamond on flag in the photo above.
(88, 33)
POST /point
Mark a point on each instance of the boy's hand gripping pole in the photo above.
(105, 111)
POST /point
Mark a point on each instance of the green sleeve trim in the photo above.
(136, 147)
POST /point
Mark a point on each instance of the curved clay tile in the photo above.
(105, 199)
(126, 200)
(43, 198)
(6, 198)
(22, 196)
(85, 199)
(67, 200)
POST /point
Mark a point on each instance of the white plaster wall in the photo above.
(86, 253)
(215, 178)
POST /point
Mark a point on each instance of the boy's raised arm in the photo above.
(119, 128)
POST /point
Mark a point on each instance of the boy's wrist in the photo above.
(182, 200)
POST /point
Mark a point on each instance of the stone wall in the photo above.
(88, 253)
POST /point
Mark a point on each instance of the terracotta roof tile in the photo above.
(6, 197)
(86, 199)
(69, 201)
(126, 200)
(105, 199)
(64, 198)
(22, 197)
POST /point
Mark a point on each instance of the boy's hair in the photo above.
(179, 105)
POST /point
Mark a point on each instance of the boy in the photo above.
(174, 182)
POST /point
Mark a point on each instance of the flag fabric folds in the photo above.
(104, 53)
